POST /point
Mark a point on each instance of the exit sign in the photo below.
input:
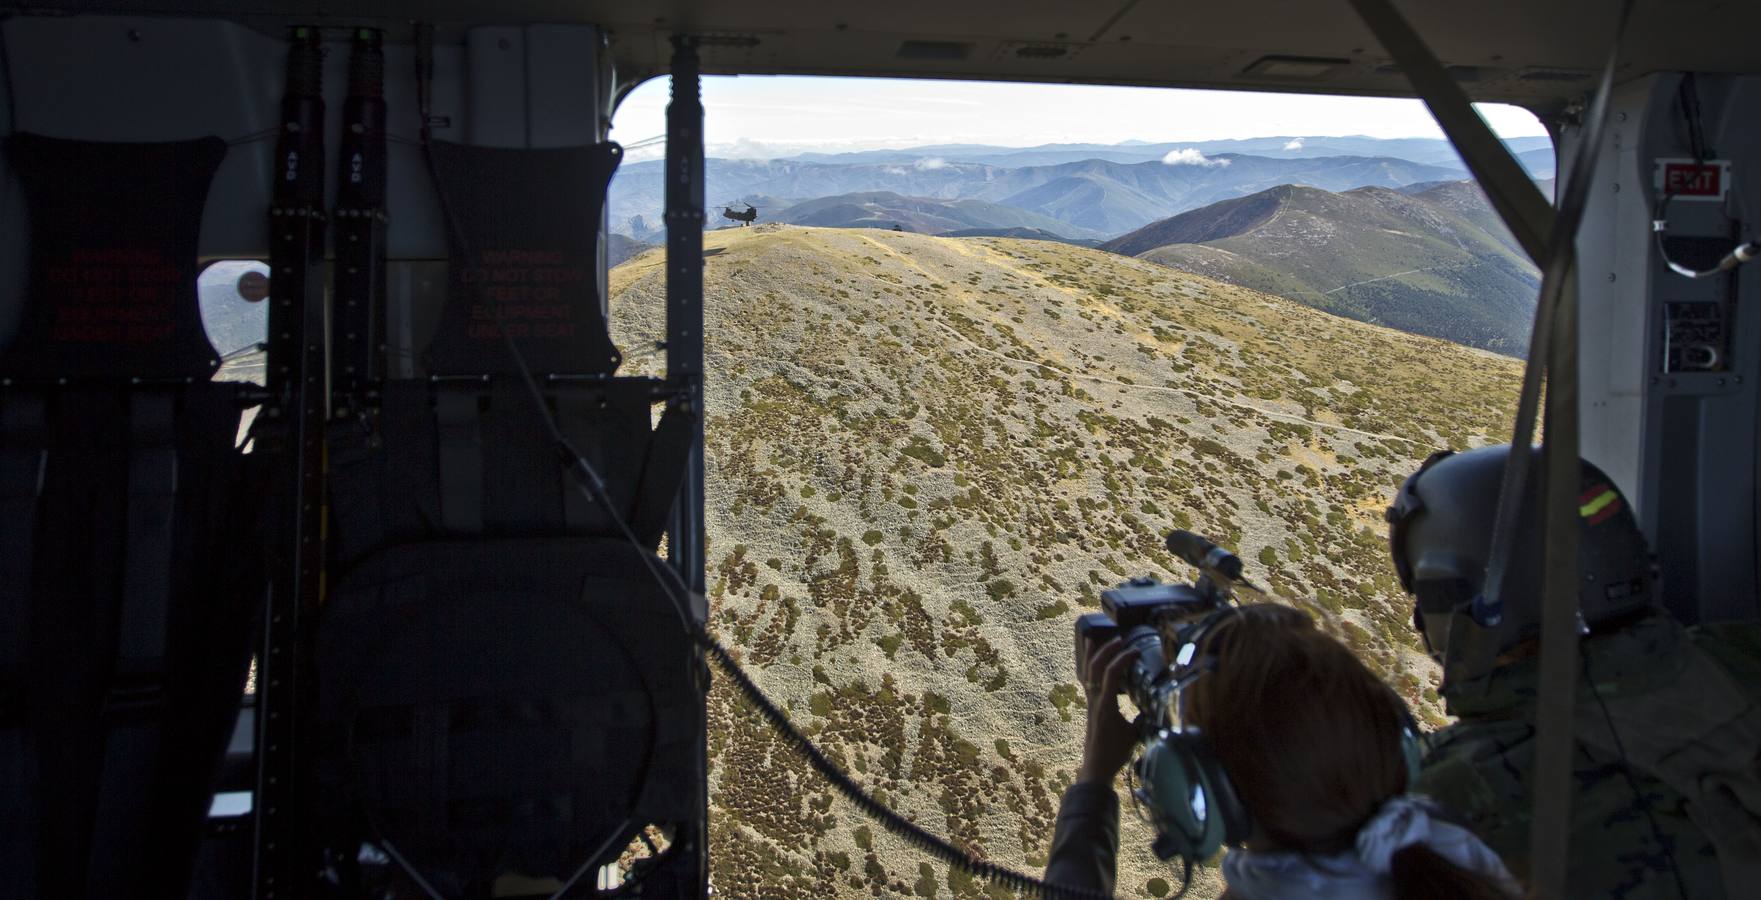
(1686, 179)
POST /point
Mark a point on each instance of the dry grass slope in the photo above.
(926, 454)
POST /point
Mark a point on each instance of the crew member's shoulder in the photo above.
(1735, 646)
(1476, 767)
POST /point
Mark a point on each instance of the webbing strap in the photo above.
(152, 495)
(668, 453)
(134, 710)
(1549, 238)
(1512, 193)
(24, 459)
(580, 414)
(460, 433)
(1550, 835)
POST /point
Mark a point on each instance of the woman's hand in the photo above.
(1107, 747)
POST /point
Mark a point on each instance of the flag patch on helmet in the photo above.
(1599, 504)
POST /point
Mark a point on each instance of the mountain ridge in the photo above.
(924, 215)
(1434, 261)
(1097, 195)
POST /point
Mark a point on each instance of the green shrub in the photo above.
(1051, 611)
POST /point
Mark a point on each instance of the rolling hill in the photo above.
(927, 454)
(619, 248)
(923, 215)
(1434, 260)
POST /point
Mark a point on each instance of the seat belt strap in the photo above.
(134, 710)
(24, 461)
(152, 495)
(1512, 193)
(459, 431)
(582, 419)
(668, 452)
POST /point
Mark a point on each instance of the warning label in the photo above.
(527, 291)
(113, 295)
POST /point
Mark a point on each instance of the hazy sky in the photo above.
(767, 115)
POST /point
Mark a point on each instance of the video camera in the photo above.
(1149, 613)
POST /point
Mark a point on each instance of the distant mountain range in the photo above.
(1085, 190)
(1433, 151)
(1383, 231)
(1431, 259)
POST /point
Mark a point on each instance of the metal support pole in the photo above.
(684, 299)
(686, 541)
(357, 361)
(291, 432)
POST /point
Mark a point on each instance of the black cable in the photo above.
(1626, 769)
(1688, 97)
(593, 488)
(1688, 94)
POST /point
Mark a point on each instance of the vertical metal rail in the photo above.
(291, 435)
(684, 297)
(358, 360)
(686, 540)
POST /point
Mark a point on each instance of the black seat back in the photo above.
(127, 596)
(503, 689)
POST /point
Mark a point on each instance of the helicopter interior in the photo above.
(440, 418)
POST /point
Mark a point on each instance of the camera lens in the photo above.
(1149, 669)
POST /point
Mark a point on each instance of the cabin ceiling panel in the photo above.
(1539, 53)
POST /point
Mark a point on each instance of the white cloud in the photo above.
(1295, 144)
(930, 163)
(895, 170)
(1190, 156)
(794, 114)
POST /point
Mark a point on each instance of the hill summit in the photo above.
(1431, 259)
(926, 455)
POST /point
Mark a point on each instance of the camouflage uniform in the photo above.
(1674, 694)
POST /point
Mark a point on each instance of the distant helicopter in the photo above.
(744, 218)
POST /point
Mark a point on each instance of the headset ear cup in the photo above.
(1194, 806)
(1412, 750)
(1225, 805)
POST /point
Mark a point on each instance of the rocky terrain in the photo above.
(927, 455)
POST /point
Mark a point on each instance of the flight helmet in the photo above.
(1440, 534)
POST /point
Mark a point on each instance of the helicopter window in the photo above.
(228, 804)
(962, 383)
(233, 295)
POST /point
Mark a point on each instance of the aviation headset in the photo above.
(1183, 787)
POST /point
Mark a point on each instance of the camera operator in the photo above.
(1288, 750)
(1667, 722)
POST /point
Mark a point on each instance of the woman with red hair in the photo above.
(1298, 747)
